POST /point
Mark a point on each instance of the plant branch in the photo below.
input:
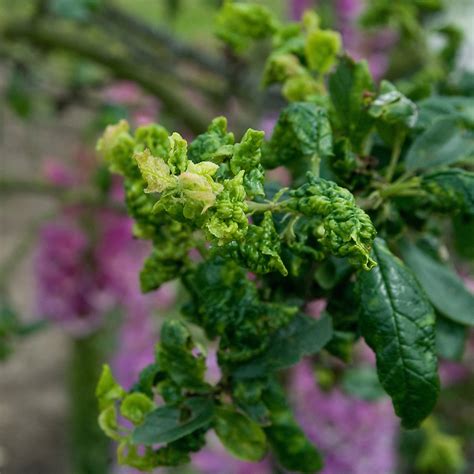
(121, 67)
(396, 150)
(162, 38)
(9, 187)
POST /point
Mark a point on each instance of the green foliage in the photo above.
(287, 441)
(167, 424)
(303, 336)
(321, 49)
(450, 190)
(363, 160)
(447, 141)
(341, 228)
(239, 23)
(349, 86)
(397, 321)
(226, 304)
(443, 287)
(362, 383)
(302, 134)
(242, 437)
(450, 338)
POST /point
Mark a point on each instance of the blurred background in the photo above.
(69, 296)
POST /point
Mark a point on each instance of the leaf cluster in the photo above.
(365, 160)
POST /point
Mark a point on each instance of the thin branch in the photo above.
(163, 38)
(66, 196)
(46, 37)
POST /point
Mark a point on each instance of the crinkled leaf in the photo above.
(348, 85)
(288, 442)
(167, 423)
(397, 321)
(444, 288)
(260, 250)
(135, 406)
(301, 133)
(393, 108)
(450, 190)
(108, 423)
(338, 225)
(303, 336)
(116, 146)
(322, 47)
(175, 356)
(108, 390)
(207, 146)
(238, 23)
(226, 303)
(241, 436)
(155, 172)
(246, 157)
(448, 140)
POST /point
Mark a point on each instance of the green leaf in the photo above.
(362, 383)
(288, 442)
(444, 288)
(397, 321)
(303, 336)
(239, 23)
(450, 190)
(331, 272)
(175, 356)
(135, 407)
(301, 133)
(108, 390)
(322, 47)
(348, 85)
(166, 424)
(155, 172)
(241, 436)
(147, 379)
(208, 146)
(108, 423)
(450, 338)
(447, 141)
(433, 108)
(393, 108)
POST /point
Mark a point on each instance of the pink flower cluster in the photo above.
(87, 264)
(355, 436)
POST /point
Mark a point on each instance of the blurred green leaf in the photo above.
(166, 423)
(241, 436)
(450, 338)
(449, 140)
(444, 288)
(303, 336)
(363, 383)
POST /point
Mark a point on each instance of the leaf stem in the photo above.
(396, 150)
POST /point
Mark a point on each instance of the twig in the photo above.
(163, 38)
(121, 67)
(69, 197)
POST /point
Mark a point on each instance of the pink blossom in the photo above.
(354, 436)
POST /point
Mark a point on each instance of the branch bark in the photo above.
(42, 37)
